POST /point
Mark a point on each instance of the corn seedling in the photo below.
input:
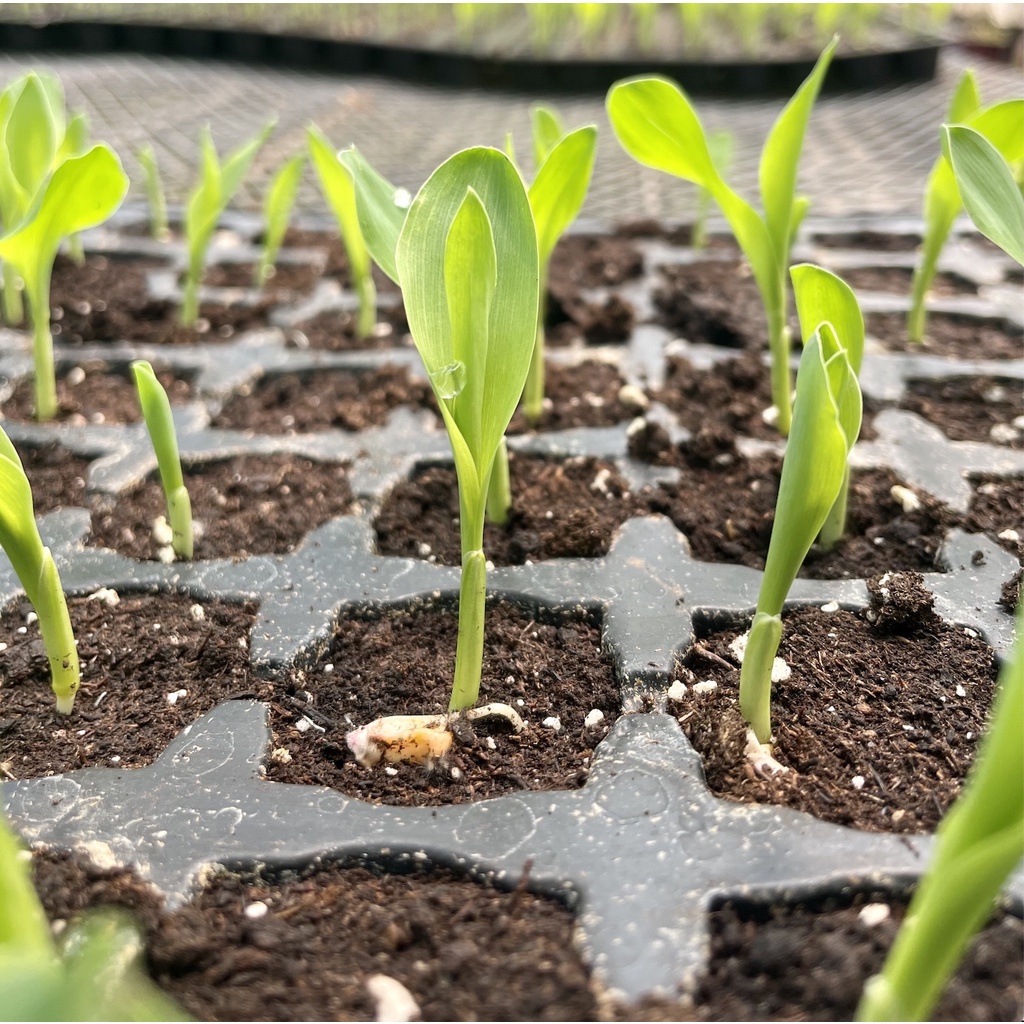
(465, 257)
(1000, 124)
(81, 192)
(158, 227)
(720, 151)
(156, 410)
(339, 191)
(564, 163)
(977, 845)
(826, 422)
(217, 184)
(94, 974)
(34, 566)
(277, 208)
(656, 124)
(990, 195)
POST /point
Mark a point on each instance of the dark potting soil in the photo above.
(947, 335)
(285, 281)
(402, 663)
(561, 508)
(679, 234)
(593, 261)
(135, 656)
(810, 962)
(294, 403)
(970, 408)
(462, 949)
(336, 331)
(94, 392)
(57, 476)
(247, 505)
(997, 508)
(877, 723)
(883, 241)
(897, 280)
(109, 300)
(588, 394)
(573, 319)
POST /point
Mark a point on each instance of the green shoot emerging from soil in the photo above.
(94, 974)
(156, 410)
(720, 150)
(34, 566)
(564, 163)
(978, 844)
(81, 192)
(217, 184)
(656, 124)
(1000, 124)
(826, 422)
(465, 257)
(990, 195)
(277, 208)
(339, 191)
(154, 193)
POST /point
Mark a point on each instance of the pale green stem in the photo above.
(179, 515)
(779, 341)
(835, 524)
(262, 271)
(367, 293)
(42, 354)
(469, 652)
(75, 250)
(14, 307)
(533, 395)
(924, 275)
(699, 234)
(499, 487)
(756, 673)
(58, 636)
(189, 313)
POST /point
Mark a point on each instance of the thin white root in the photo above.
(393, 1001)
(759, 756)
(496, 711)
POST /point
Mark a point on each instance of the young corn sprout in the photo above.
(35, 136)
(339, 191)
(217, 184)
(564, 163)
(156, 411)
(34, 566)
(93, 974)
(465, 257)
(656, 124)
(720, 150)
(978, 844)
(826, 422)
(1000, 124)
(277, 208)
(81, 192)
(990, 195)
(158, 226)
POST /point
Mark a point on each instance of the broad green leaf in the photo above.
(512, 319)
(1002, 125)
(966, 100)
(82, 192)
(989, 193)
(30, 141)
(382, 209)
(780, 157)
(340, 191)
(547, 130)
(822, 296)
(561, 184)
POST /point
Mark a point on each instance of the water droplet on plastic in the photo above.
(449, 380)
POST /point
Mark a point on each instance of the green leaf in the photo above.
(277, 208)
(30, 140)
(822, 296)
(19, 535)
(425, 268)
(237, 165)
(558, 190)
(780, 157)
(382, 209)
(24, 929)
(966, 100)
(82, 192)
(987, 188)
(76, 138)
(547, 130)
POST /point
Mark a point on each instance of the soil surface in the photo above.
(877, 723)
(248, 505)
(57, 476)
(335, 331)
(970, 408)
(285, 281)
(898, 280)
(882, 241)
(402, 663)
(135, 656)
(561, 508)
(295, 403)
(94, 392)
(947, 335)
